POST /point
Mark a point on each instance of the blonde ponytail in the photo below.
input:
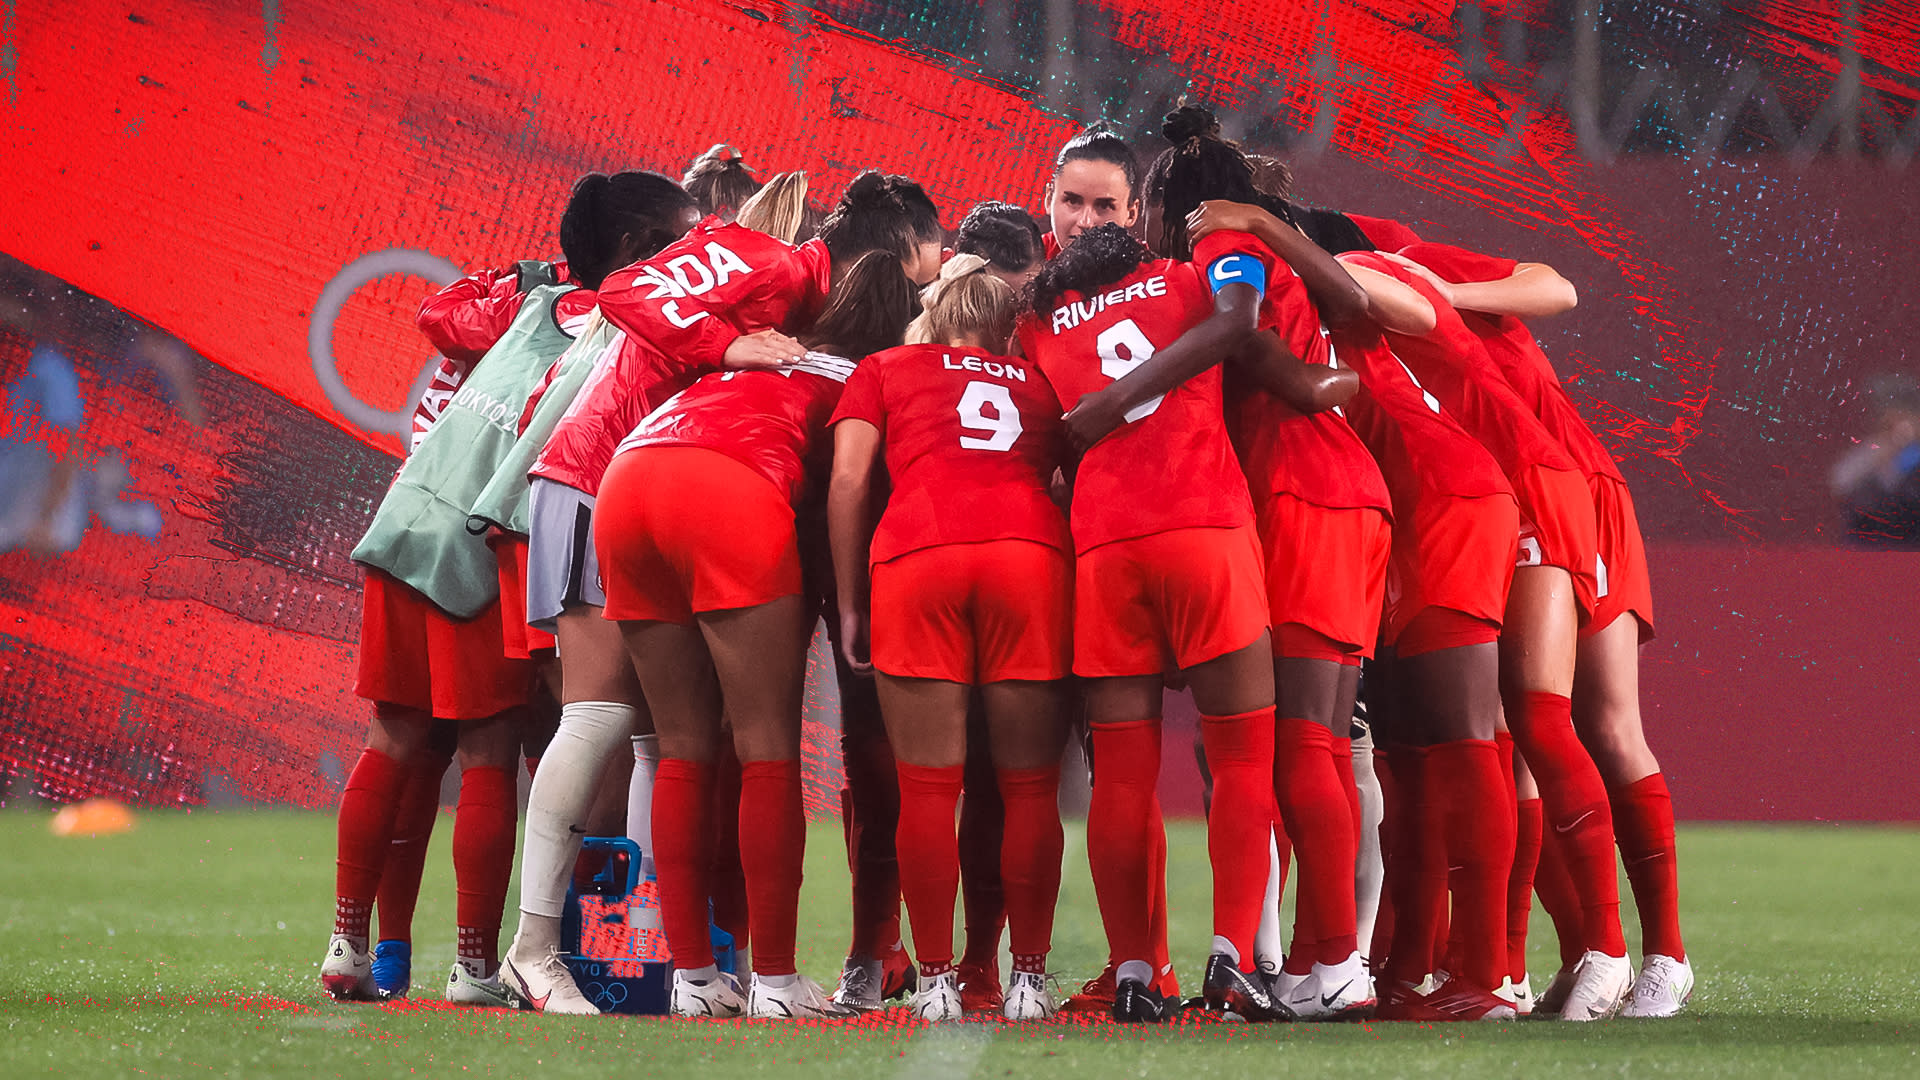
(965, 302)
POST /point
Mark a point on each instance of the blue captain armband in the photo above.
(1237, 269)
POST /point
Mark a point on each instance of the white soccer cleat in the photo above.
(1284, 985)
(1601, 984)
(719, 996)
(347, 973)
(800, 999)
(546, 985)
(860, 985)
(1547, 1006)
(1662, 989)
(937, 998)
(1340, 991)
(487, 993)
(1028, 998)
(1518, 994)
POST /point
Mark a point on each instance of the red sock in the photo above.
(1576, 808)
(773, 850)
(1122, 820)
(870, 811)
(1319, 822)
(1526, 856)
(727, 879)
(929, 860)
(1478, 819)
(1643, 816)
(1240, 756)
(983, 897)
(367, 810)
(1559, 898)
(1030, 853)
(407, 853)
(483, 838)
(682, 794)
(1342, 751)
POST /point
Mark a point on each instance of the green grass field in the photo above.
(191, 946)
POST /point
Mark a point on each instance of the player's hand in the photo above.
(1440, 284)
(1093, 418)
(853, 642)
(764, 349)
(1216, 215)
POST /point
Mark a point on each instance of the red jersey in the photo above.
(680, 310)
(971, 444)
(1512, 349)
(1386, 234)
(1421, 449)
(1316, 458)
(1170, 466)
(1451, 365)
(1049, 247)
(465, 319)
(770, 421)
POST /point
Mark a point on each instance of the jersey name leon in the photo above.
(720, 266)
(990, 367)
(1071, 315)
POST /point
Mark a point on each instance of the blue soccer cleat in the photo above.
(393, 968)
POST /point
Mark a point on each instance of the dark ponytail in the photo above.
(867, 310)
(880, 212)
(1200, 165)
(1097, 258)
(720, 182)
(1001, 233)
(605, 210)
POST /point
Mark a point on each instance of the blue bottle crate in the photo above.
(611, 937)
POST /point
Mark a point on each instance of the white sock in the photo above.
(776, 982)
(590, 734)
(646, 762)
(701, 975)
(1268, 949)
(1138, 970)
(1225, 948)
(1368, 871)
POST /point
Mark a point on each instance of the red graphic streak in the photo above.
(215, 199)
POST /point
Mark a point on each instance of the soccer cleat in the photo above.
(800, 999)
(1551, 1000)
(347, 973)
(1518, 994)
(980, 986)
(1284, 984)
(1096, 996)
(719, 996)
(487, 993)
(898, 974)
(546, 985)
(1135, 1002)
(937, 998)
(1028, 998)
(860, 985)
(1458, 1001)
(1662, 989)
(393, 968)
(1237, 994)
(1601, 984)
(1342, 991)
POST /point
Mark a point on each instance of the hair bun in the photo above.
(961, 265)
(1190, 122)
(725, 154)
(871, 190)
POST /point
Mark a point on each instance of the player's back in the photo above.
(972, 439)
(1170, 465)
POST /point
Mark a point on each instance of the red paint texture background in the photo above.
(209, 171)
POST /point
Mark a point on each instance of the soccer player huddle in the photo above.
(1196, 436)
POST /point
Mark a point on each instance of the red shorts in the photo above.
(975, 613)
(1623, 584)
(1166, 602)
(1326, 573)
(1557, 528)
(1455, 553)
(522, 641)
(681, 530)
(415, 655)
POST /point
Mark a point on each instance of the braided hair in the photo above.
(1100, 256)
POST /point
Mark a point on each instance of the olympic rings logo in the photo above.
(326, 310)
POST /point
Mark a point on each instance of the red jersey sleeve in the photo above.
(465, 319)
(1386, 234)
(865, 396)
(1459, 264)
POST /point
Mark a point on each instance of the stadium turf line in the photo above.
(190, 946)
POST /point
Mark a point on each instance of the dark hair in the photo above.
(1001, 233)
(867, 310)
(1099, 257)
(1100, 143)
(880, 212)
(1200, 165)
(604, 210)
(1334, 231)
(719, 181)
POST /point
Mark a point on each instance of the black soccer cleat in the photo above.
(1136, 1002)
(1239, 994)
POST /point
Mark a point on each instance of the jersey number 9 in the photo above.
(1125, 336)
(999, 431)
